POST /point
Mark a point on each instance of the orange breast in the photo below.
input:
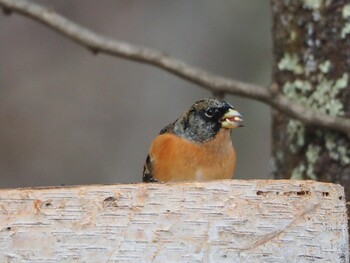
(176, 159)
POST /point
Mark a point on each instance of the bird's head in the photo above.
(202, 121)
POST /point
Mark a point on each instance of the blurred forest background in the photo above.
(69, 117)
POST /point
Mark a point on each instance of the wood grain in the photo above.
(219, 221)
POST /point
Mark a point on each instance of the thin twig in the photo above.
(216, 84)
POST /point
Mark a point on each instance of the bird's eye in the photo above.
(210, 112)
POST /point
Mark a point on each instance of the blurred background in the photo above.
(69, 117)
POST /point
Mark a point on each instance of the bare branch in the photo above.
(216, 84)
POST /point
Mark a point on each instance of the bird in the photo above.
(195, 147)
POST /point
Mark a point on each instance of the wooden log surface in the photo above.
(218, 221)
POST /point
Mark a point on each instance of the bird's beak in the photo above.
(231, 119)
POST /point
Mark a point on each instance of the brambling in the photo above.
(197, 146)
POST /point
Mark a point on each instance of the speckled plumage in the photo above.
(194, 147)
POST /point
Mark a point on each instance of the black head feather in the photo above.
(201, 122)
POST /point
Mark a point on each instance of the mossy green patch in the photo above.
(324, 97)
(313, 4)
(298, 172)
(290, 62)
(312, 154)
(345, 30)
(346, 11)
(325, 66)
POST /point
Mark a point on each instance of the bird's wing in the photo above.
(147, 175)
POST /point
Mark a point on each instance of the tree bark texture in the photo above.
(220, 221)
(312, 66)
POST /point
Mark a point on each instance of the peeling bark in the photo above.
(220, 221)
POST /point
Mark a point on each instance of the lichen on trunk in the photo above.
(312, 67)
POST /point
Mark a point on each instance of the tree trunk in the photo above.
(311, 66)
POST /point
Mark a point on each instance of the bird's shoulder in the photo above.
(168, 129)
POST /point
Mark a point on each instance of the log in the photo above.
(218, 221)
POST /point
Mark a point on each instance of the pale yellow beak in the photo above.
(232, 119)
